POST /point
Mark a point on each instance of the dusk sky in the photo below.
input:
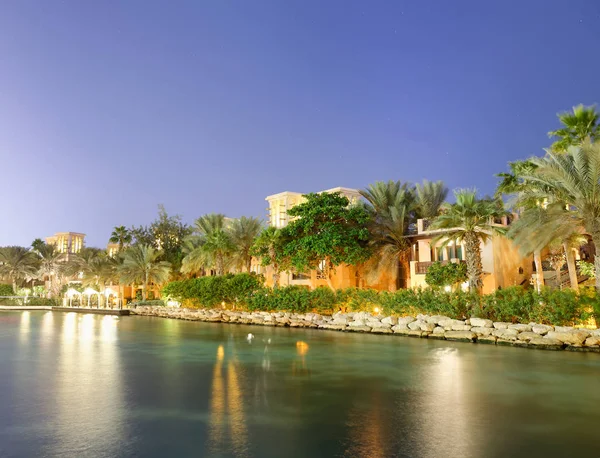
(109, 108)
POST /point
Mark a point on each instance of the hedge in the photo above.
(6, 290)
(513, 304)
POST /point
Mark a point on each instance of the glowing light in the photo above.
(447, 288)
(71, 293)
(377, 310)
(220, 353)
(302, 347)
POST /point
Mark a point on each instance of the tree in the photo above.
(442, 275)
(578, 126)
(38, 245)
(141, 265)
(209, 246)
(430, 196)
(52, 265)
(269, 248)
(513, 184)
(121, 236)
(392, 206)
(327, 231)
(469, 220)
(243, 232)
(167, 234)
(570, 183)
(17, 263)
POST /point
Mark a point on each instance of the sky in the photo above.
(108, 109)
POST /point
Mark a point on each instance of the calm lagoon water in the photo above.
(74, 385)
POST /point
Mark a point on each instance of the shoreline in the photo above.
(473, 330)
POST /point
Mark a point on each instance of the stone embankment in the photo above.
(480, 330)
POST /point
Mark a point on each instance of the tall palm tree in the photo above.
(209, 246)
(98, 271)
(17, 263)
(243, 232)
(53, 265)
(392, 205)
(470, 220)
(513, 184)
(141, 265)
(579, 125)
(571, 183)
(268, 247)
(122, 236)
(430, 196)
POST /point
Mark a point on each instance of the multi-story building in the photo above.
(67, 242)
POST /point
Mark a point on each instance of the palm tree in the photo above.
(209, 246)
(120, 235)
(268, 248)
(578, 126)
(142, 266)
(470, 220)
(243, 232)
(393, 206)
(99, 270)
(17, 263)
(53, 265)
(513, 184)
(430, 196)
(571, 184)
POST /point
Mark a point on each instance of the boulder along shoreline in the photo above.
(472, 330)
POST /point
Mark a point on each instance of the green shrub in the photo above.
(449, 274)
(152, 303)
(6, 290)
(42, 301)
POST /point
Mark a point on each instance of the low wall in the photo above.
(473, 330)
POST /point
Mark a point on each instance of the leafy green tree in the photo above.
(269, 248)
(141, 265)
(166, 234)
(429, 198)
(577, 126)
(243, 232)
(121, 236)
(470, 220)
(327, 231)
(38, 244)
(210, 245)
(17, 263)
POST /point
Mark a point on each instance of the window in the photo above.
(455, 251)
(300, 276)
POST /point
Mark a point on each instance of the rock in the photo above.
(402, 331)
(400, 327)
(358, 322)
(592, 341)
(501, 325)
(480, 331)
(595, 332)
(382, 330)
(340, 319)
(481, 323)
(520, 327)
(435, 319)
(541, 329)
(462, 336)
(461, 327)
(506, 334)
(546, 343)
(527, 336)
(564, 328)
(406, 319)
(449, 323)
(379, 325)
(415, 325)
(417, 333)
(334, 327)
(487, 340)
(576, 337)
(429, 327)
(438, 330)
(359, 328)
(392, 320)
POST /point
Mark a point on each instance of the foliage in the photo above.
(243, 232)
(212, 291)
(121, 236)
(587, 269)
(167, 234)
(6, 290)
(327, 232)
(141, 265)
(578, 126)
(469, 220)
(150, 303)
(268, 247)
(448, 274)
(17, 263)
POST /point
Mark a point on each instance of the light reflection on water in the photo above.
(89, 386)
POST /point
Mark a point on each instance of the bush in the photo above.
(151, 303)
(449, 274)
(42, 301)
(6, 290)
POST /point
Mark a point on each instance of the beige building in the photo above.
(67, 242)
(502, 264)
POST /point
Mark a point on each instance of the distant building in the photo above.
(67, 242)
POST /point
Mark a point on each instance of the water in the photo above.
(74, 385)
